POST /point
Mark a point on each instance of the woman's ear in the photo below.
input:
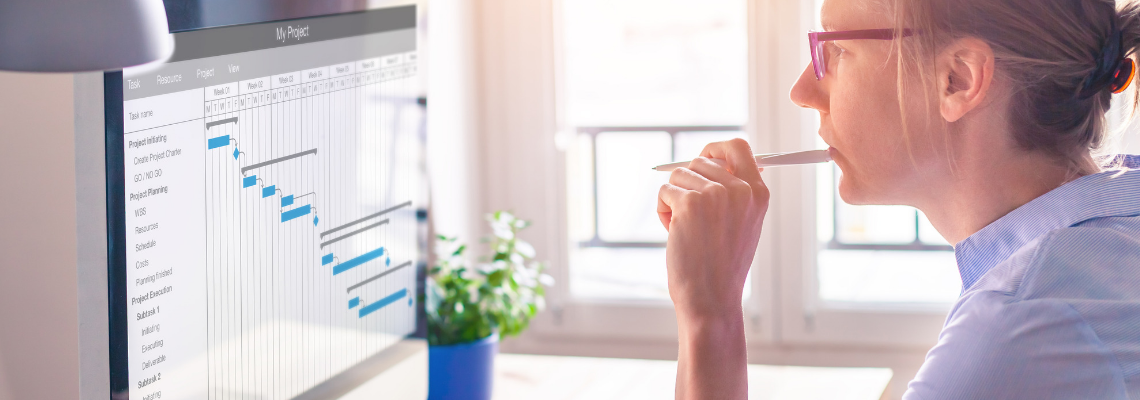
(965, 72)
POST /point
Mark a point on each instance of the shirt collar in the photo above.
(1106, 194)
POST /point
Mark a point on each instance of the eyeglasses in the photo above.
(816, 40)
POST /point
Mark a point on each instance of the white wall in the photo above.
(453, 148)
(39, 320)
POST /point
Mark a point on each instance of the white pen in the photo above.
(768, 160)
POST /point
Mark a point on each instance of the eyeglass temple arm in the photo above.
(873, 34)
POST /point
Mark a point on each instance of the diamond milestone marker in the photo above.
(235, 154)
(315, 220)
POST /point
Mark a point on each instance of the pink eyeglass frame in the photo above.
(816, 40)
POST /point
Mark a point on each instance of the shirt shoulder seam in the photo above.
(1033, 265)
(1029, 268)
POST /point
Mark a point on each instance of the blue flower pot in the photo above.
(462, 371)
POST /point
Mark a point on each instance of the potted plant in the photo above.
(470, 307)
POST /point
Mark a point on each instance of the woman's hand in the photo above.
(713, 211)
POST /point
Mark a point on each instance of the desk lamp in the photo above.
(82, 35)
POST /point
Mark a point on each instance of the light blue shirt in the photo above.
(1050, 307)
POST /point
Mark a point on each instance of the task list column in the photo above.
(164, 152)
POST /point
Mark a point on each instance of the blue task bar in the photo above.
(268, 191)
(355, 262)
(249, 181)
(353, 302)
(287, 201)
(327, 259)
(220, 141)
(369, 309)
(295, 213)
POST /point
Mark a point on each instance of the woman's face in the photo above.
(859, 110)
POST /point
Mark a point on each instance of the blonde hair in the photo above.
(1046, 50)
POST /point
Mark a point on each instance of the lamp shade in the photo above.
(82, 35)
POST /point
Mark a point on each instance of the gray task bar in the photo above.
(390, 209)
(277, 160)
(378, 276)
(221, 122)
(353, 233)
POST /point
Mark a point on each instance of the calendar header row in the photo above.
(306, 76)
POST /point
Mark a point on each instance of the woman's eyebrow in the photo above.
(827, 25)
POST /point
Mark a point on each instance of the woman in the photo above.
(989, 116)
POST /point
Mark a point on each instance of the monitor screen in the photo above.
(266, 181)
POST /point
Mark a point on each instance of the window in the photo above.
(647, 82)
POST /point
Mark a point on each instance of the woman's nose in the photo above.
(808, 91)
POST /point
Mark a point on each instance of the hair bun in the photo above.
(1110, 69)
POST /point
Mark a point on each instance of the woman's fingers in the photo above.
(712, 169)
(667, 197)
(726, 171)
(722, 181)
(738, 155)
(689, 179)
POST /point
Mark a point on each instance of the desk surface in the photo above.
(564, 378)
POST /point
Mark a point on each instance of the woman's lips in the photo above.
(831, 151)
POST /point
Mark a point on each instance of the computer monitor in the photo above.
(265, 195)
